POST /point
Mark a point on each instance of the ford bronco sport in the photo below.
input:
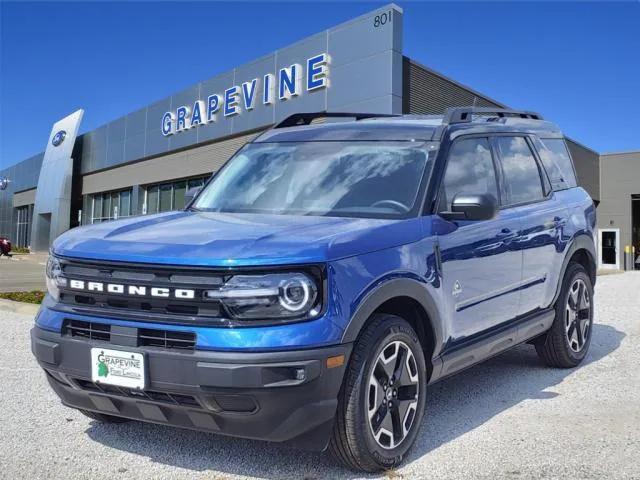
(324, 277)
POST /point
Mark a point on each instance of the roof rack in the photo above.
(465, 114)
(306, 118)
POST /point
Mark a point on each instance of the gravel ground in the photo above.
(509, 417)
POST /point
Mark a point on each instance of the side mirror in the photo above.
(467, 206)
(191, 194)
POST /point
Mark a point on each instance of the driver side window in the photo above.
(469, 170)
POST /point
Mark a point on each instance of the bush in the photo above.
(34, 296)
(20, 250)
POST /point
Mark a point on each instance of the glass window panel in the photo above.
(196, 182)
(125, 203)
(522, 176)
(152, 199)
(557, 163)
(115, 207)
(97, 206)
(106, 206)
(470, 170)
(165, 198)
(179, 189)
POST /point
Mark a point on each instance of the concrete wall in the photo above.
(619, 179)
(587, 163)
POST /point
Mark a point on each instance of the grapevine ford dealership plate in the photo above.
(115, 367)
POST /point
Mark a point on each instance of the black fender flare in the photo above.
(580, 242)
(397, 287)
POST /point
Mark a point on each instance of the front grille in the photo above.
(154, 396)
(145, 337)
(166, 339)
(140, 305)
(90, 330)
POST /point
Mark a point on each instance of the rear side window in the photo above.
(469, 170)
(557, 163)
(521, 173)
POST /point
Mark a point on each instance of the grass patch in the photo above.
(20, 250)
(34, 296)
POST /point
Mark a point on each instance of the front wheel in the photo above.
(382, 400)
(566, 344)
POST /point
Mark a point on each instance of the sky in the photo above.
(577, 63)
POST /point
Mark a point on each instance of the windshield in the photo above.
(359, 179)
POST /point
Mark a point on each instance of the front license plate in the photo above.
(115, 367)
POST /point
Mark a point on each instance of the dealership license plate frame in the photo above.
(128, 375)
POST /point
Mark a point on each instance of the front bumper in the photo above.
(251, 395)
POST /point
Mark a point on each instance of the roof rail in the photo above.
(465, 114)
(307, 117)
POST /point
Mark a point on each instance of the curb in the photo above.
(18, 307)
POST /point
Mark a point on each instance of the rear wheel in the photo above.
(566, 344)
(103, 418)
(382, 400)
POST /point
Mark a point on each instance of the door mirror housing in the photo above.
(191, 194)
(470, 206)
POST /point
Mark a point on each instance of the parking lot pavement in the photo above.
(509, 417)
(22, 273)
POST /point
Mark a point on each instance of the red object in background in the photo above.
(5, 246)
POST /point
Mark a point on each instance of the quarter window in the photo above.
(469, 170)
(521, 172)
(557, 163)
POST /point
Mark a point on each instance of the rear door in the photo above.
(481, 265)
(527, 193)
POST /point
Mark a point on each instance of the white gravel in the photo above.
(509, 417)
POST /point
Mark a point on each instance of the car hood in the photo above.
(223, 239)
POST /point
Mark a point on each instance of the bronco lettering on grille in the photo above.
(133, 290)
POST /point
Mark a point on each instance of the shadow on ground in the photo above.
(455, 406)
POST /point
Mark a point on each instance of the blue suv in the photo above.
(326, 276)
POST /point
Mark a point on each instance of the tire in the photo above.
(567, 342)
(387, 338)
(103, 418)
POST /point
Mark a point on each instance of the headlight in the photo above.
(278, 295)
(54, 277)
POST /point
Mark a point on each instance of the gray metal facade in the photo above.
(365, 72)
(22, 176)
(619, 180)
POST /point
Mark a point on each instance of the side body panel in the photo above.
(481, 274)
(543, 242)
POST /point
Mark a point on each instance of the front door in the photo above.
(609, 242)
(481, 262)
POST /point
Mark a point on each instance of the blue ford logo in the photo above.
(58, 138)
(4, 183)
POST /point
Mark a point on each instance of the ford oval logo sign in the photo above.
(58, 138)
(4, 183)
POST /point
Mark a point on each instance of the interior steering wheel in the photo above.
(399, 206)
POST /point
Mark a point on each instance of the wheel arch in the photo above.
(408, 299)
(583, 251)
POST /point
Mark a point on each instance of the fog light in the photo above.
(300, 374)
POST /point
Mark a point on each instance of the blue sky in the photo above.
(576, 62)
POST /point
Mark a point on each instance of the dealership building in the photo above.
(145, 161)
